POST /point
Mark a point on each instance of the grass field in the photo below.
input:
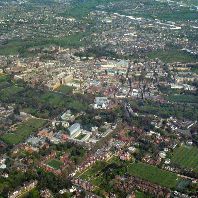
(10, 91)
(173, 55)
(80, 137)
(183, 98)
(97, 174)
(94, 174)
(23, 131)
(65, 89)
(139, 194)
(53, 99)
(153, 174)
(56, 164)
(186, 157)
(3, 77)
(20, 46)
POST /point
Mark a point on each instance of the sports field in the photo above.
(154, 174)
(186, 157)
(56, 164)
(144, 171)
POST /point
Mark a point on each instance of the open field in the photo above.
(173, 55)
(40, 103)
(139, 194)
(65, 89)
(94, 174)
(56, 164)
(186, 157)
(3, 77)
(10, 91)
(153, 174)
(167, 109)
(23, 131)
(21, 46)
(183, 98)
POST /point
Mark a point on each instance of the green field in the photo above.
(139, 194)
(173, 55)
(65, 89)
(3, 78)
(102, 173)
(23, 131)
(80, 137)
(94, 174)
(21, 46)
(183, 98)
(153, 174)
(186, 157)
(56, 164)
(42, 104)
(10, 91)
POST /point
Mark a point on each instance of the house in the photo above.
(3, 163)
(101, 103)
(67, 116)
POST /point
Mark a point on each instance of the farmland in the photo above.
(186, 157)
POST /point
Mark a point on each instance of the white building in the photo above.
(74, 130)
(101, 103)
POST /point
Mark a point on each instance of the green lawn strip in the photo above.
(186, 157)
(80, 137)
(23, 131)
(139, 194)
(153, 174)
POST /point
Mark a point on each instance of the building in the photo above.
(74, 130)
(101, 103)
(67, 116)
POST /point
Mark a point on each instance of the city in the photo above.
(99, 98)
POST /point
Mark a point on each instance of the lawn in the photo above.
(56, 164)
(139, 194)
(80, 137)
(3, 77)
(10, 91)
(186, 157)
(183, 98)
(65, 89)
(153, 174)
(94, 174)
(173, 55)
(52, 99)
(23, 131)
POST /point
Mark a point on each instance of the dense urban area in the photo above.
(98, 98)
